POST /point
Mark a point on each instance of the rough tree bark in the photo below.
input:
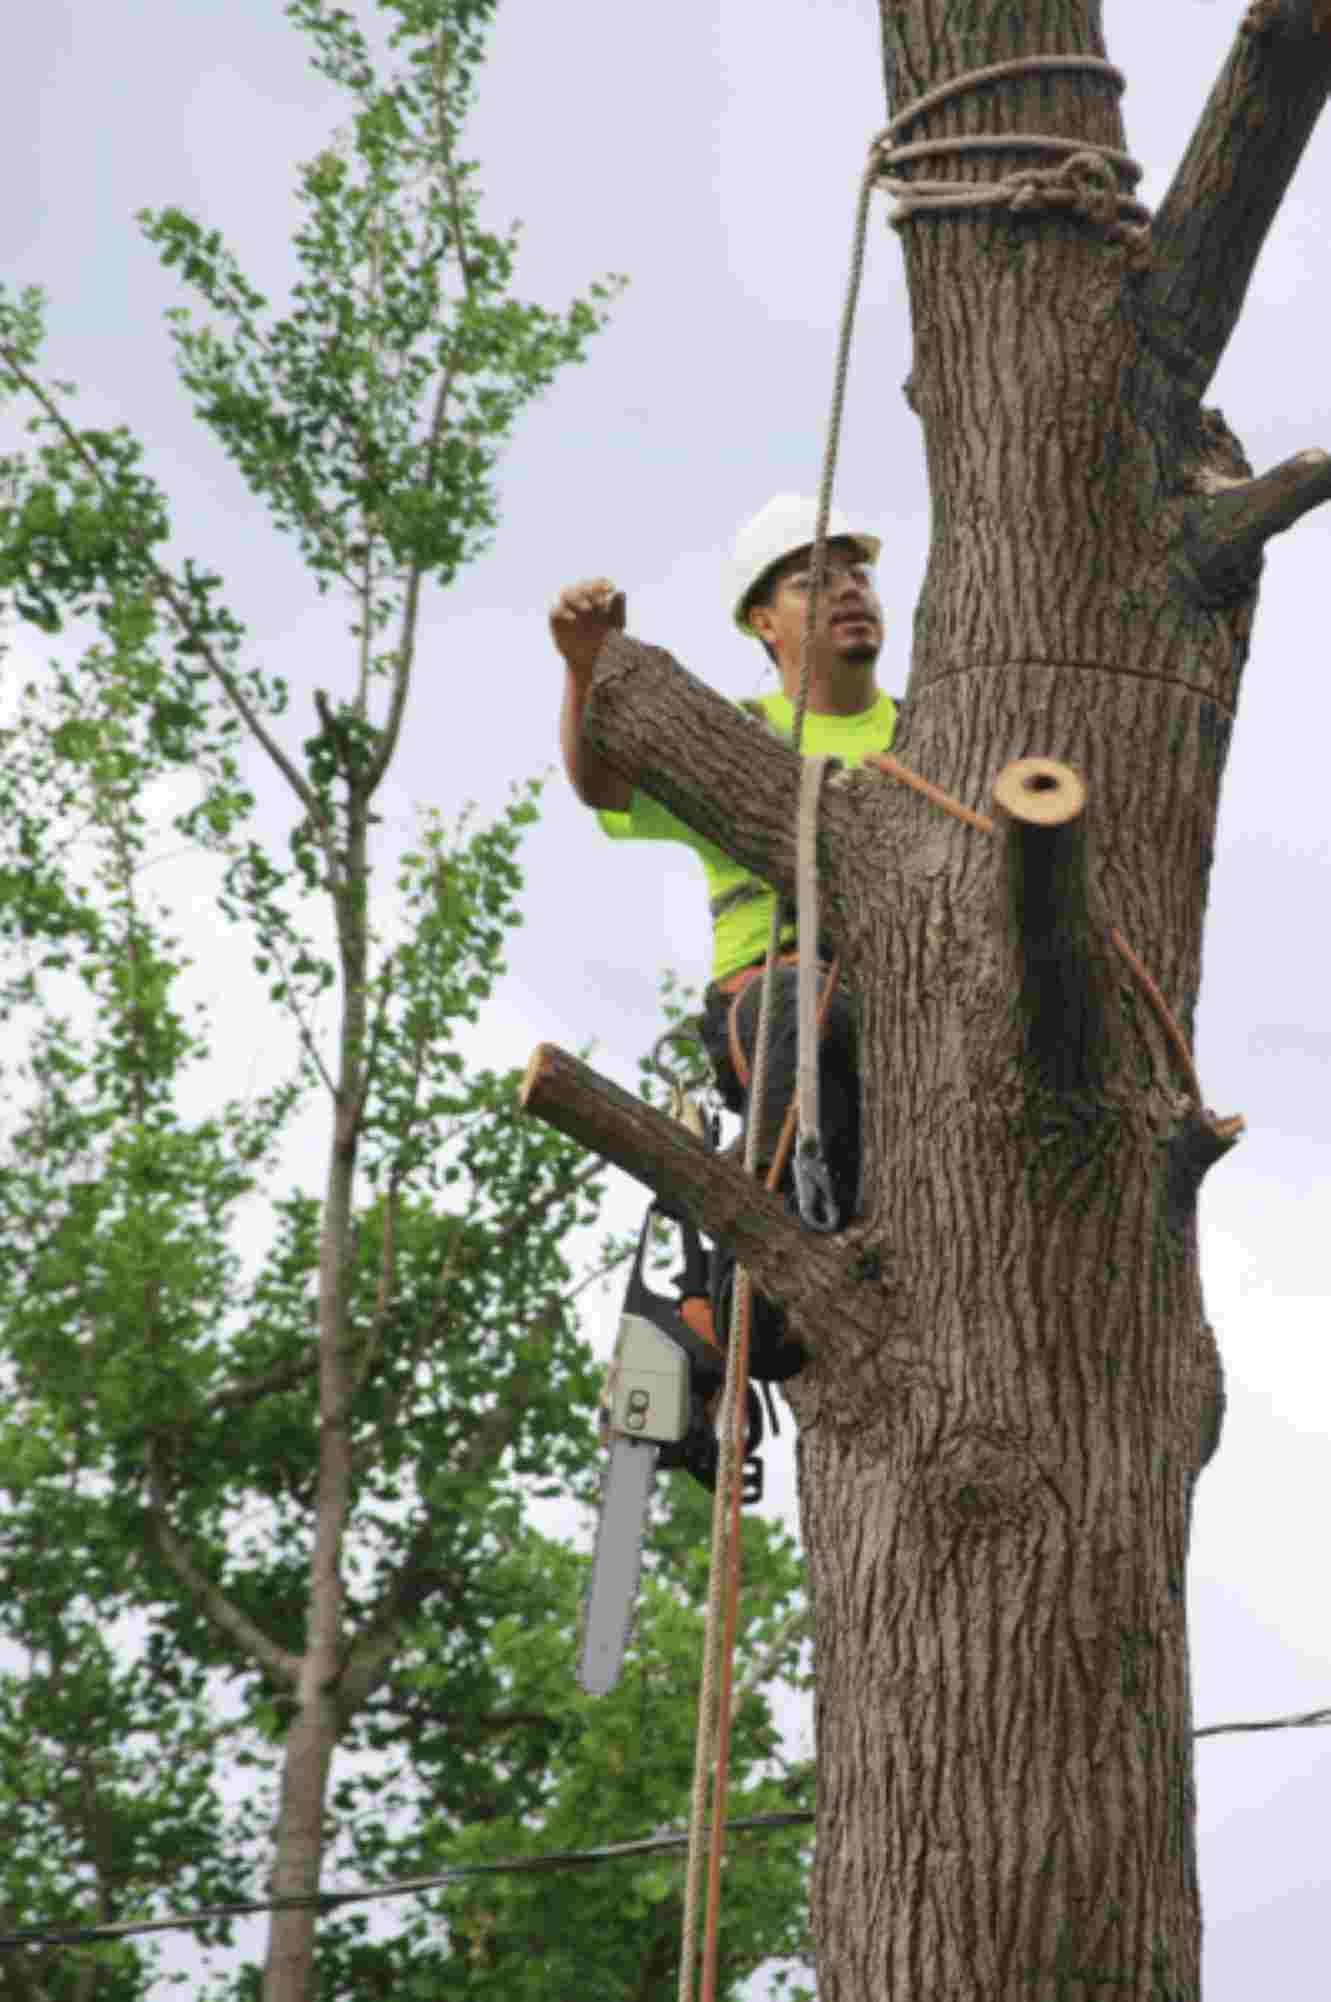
(997, 1463)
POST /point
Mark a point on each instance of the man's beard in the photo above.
(864, 654)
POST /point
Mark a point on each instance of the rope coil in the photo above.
(1084, 180)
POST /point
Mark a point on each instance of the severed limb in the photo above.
(1040, 815)
(724, 775)
(1211, 225)
(1225, 533)
(816, 1279)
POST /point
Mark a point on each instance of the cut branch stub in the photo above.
(1040, 812)
(1224, 533)
(814, 1278)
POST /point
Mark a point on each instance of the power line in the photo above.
(399, 1887)
(557, 1859)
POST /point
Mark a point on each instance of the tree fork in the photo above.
(1225, 533)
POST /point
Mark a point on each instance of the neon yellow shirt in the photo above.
(740, 929)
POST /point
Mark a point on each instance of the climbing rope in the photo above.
(813, 1181)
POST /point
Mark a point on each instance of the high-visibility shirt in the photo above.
(741, 904)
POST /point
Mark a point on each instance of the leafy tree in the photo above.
(266, 1588)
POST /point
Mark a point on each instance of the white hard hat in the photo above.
(786, 524)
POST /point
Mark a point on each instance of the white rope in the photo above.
(1085, 179)
(806, 865)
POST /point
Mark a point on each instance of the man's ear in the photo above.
(762, 621)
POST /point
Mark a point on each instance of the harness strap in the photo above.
(746, 892)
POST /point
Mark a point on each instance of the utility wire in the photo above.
(557, 1859)
(399, 1887)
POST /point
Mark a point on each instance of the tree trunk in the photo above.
(996, 1492)
(315, 1728)
(997, 1562)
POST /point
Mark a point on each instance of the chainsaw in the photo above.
(661, 1395)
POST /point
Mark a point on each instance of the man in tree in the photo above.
(849, 718)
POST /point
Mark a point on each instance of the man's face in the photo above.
(850, 619)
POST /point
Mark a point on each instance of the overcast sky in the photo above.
(712, 154)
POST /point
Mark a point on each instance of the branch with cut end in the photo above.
(1041, 820)
(1210, 227)
(1225, 532)
(720, 772)
(211, 1600)
(815, 1279)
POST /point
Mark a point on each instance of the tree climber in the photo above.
(848, 717)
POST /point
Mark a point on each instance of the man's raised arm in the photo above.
(580, 619)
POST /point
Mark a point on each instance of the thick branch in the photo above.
(816, 1279)
(1224, 533)
(720, 772)
(1211, 225)
(1043, 887)
(210, 1599)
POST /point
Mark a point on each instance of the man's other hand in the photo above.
(580, 619)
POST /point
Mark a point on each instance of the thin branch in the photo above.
(456, 205)
(303, 1029)
(211, 1600)
(406, 652)
(239, 1396)
(1212, 224)
(798, 1622)
(375, 1039)
(176, 599)
(1310, 1719)
(385, 1292)
(371, 1654)
(1225, 532)
(597, 1272)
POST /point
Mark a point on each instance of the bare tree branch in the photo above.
(1225, 532)
(211, 1600)
(285, 1376)
(1211, 225)
(819, 1280)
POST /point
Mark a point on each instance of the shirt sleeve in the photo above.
(646, 820)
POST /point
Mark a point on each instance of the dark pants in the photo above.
(839, 1120)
